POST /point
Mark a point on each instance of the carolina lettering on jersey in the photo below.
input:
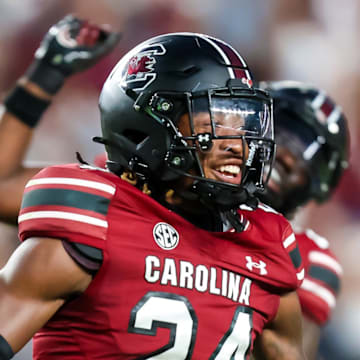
(184, 274)
(166, 289)
(321, 285)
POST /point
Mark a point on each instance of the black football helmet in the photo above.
(313, 127)
(166, 77)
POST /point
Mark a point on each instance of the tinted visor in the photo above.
(232, 117)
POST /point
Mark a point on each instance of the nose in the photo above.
(235, 146)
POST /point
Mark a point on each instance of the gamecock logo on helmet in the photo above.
(140, 65)
(140, 71)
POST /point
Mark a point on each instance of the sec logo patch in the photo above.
(165, 236)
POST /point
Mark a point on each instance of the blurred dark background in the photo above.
(316, 41)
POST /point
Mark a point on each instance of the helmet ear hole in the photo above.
(136, 136)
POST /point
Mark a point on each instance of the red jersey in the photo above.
(323, 272)
(166, 289)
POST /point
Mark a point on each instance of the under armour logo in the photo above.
(205, 141)
(252, 264)
(204, 137)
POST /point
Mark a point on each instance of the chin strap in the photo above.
(225, 200)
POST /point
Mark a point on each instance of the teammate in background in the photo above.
(167, 254)
(70, 46)
(312, 152)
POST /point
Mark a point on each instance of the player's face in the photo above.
(288, 173)
(224, 160)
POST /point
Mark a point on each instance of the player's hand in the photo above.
(70, 46)
(73, 45)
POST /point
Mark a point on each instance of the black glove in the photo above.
(70, 46)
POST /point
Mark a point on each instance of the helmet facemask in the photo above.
(236, 116)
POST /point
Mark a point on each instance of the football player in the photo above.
(312, 153)
(70, 46)
(167, 254)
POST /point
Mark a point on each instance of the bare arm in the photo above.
(15, 137)
(34, 284)
(53, 62)
(282, 340)
(311, 338)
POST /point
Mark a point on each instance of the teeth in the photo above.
(232, 169)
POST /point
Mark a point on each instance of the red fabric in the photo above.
(313, 306)
(139, 278)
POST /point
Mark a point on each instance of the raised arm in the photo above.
(282, 339)
(38, 278)
(15, 137)
(70, 46)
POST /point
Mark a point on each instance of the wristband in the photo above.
(25, 106)
(6, 352)
(46, 76)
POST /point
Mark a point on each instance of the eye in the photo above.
(203, 127)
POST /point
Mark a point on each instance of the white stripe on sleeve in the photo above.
(289, 240)
(72, 181)
(64, 216)
(319, 291)
(318, 257)
(301, 274)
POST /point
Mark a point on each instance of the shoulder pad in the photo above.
(66, 199)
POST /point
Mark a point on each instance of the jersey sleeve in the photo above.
(322, 282)
(290, 244)
(67, 202)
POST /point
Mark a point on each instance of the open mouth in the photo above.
(228, 173)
